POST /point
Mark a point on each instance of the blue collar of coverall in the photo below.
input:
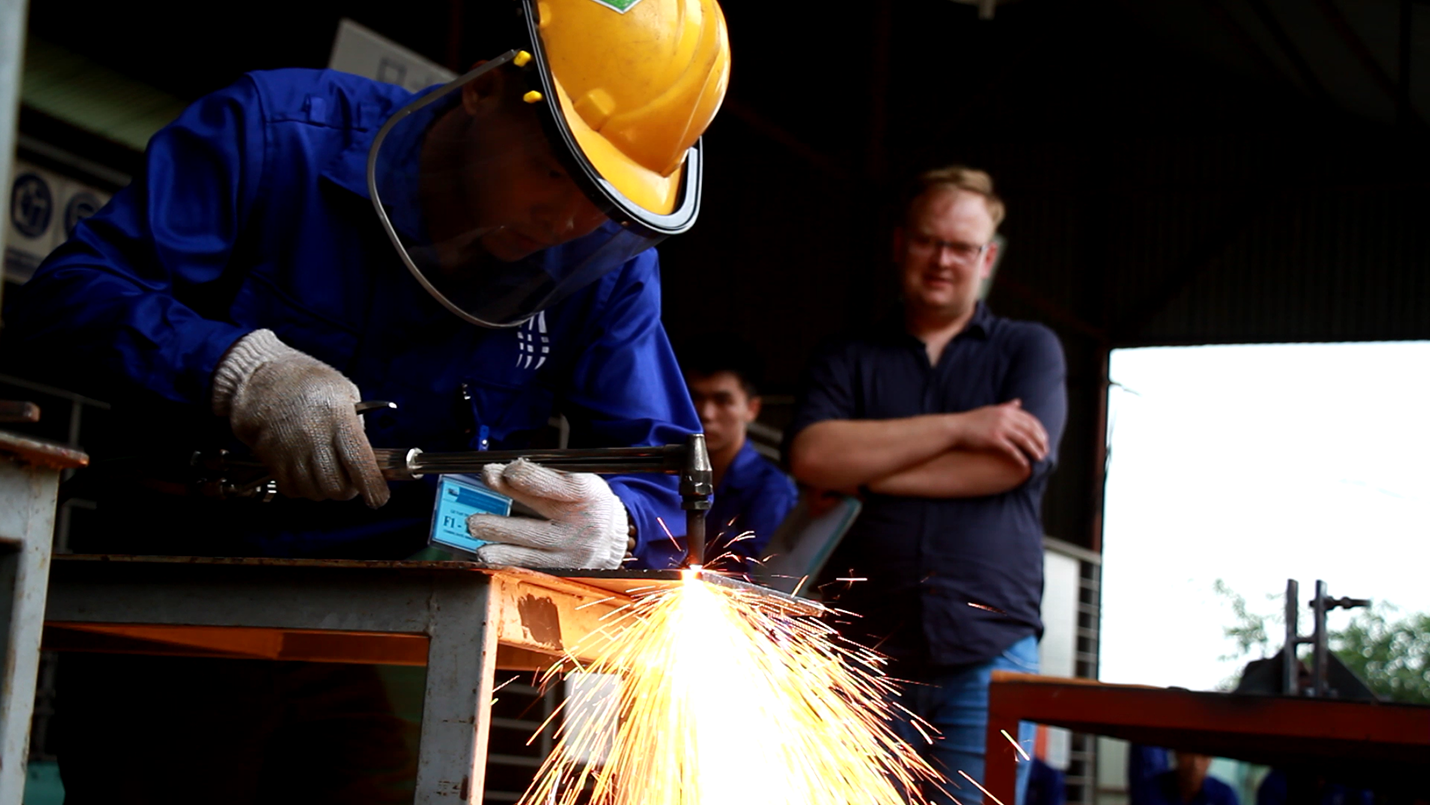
(348, 169)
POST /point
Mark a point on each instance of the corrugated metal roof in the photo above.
(1212, 240)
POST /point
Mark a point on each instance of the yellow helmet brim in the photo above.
(642, 186)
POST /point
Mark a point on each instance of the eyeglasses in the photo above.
(962, 253)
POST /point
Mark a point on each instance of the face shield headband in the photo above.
(492, 215)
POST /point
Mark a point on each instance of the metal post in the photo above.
(12, 58)
(456, 710)
(1320, 687)
(27, 517)
(1290, 681)
(1000, 775)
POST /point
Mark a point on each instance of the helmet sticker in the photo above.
(618, 5)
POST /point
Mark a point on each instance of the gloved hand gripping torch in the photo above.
(691, 461)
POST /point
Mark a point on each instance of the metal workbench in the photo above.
(1384, 743)
(30, 471)
(461, 620)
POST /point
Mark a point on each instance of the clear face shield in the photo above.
(491, 204)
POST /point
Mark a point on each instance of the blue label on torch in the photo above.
(459, 497)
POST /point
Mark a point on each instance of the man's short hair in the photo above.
(724, 352)
(958, 177)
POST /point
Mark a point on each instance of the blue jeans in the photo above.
(955, 702)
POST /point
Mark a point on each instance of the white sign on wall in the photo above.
(361, 51)
(44, 207)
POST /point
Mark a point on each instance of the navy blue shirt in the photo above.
(949, 581)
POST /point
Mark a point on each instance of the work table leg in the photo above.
(461, 666)
(27, 517)
(1000, 758)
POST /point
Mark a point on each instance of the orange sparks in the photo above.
(985, 791)
(597, 602)
(800, 586)
(986, 608)
(660, 521)
(811, 725)
(1015, 744)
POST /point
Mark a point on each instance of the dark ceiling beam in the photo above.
(876, 163)
(1198, 262)
(933, 142)
(1291, 52)
(455, 33)
(875, 166)
(1367, 59)
(1050, 310)
(1243, 38)
(1403, 110)
(776, 133)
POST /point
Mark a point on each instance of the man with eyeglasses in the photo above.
(946, 419)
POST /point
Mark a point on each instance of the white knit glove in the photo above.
(587, 526)
(298, 416)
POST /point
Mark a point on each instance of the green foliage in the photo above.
(1391, 655)
(1250, 628)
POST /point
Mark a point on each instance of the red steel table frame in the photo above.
(1262, 729)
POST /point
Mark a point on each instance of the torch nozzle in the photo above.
(697, 484)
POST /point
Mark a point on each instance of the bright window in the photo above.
(1257, 464)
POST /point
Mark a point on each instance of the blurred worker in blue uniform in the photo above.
(752, 495)
(480, 253)
(946, 419)
(1145, 762)
(1186, 783)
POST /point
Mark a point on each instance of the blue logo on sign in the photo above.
(81, 206)
(31, 205)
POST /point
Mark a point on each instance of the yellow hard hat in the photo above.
(636, 82)
(618, 92)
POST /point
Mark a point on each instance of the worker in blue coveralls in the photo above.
(479, 253)
(1186, 783)
(752, 495)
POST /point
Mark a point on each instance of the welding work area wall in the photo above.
(1182, 172)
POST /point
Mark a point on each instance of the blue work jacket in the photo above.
(253, 212)
(752, 500)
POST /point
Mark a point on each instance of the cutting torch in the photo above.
(690, 461)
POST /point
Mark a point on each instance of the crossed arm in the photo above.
(981, 452)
